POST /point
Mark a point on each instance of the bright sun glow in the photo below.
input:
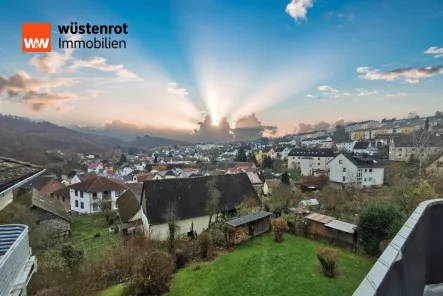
(215, 119)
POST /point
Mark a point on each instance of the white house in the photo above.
(311, 141)
(231, 152)
(125, 170)
(310, 161)
(88, 196)
(140, 167)
(345, 146)
(415, 146)
(95, 168)
(291, 143)
(189, 197)
(358, 171)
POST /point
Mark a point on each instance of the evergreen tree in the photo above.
(285, 179)
(427, 124)
(241, 155)
(123, 159)
(155, 159)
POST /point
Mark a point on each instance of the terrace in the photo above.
(412, 264)
(16, 263)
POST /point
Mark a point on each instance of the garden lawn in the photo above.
(82, 229)
(116, 290)
(264, 267)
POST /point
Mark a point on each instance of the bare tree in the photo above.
(212, 204)
(420, 142)
(171, 217)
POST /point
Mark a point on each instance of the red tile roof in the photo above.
(99, 184)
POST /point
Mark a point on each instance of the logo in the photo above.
(36, 37)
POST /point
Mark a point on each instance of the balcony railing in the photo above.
(16, 263)
(412, 264)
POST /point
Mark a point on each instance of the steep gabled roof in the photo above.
(49, 204)
(13, 171)
(129, 202)
(38, 182)
(99, 184)
(361, 145)
(191, 194)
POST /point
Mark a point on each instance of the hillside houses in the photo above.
(310, 161)
(418, 146)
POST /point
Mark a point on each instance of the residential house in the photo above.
(13, 174)
(358, 171)
(63, 195)
(91, 195)
(47, 185)
(310, 161)
(278, 153)
(231, 152)
(364, 147)
(244, 166)
(47, 214)
(312, 141)
(68, 177)
(206, 147)
(416, 146)
(289, 143)
(312, 134)
(95, 168)
(436, 166)
(232, 171)
(142, 176)
(189, 196)
(361, 125)
(129, 208)
(347, 146)
(125, 169)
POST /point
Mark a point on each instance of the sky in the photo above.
(218, 70)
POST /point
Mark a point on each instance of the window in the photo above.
(94, 195)
(340, 161)
(319, 158)
(318, 163)
(81, 194)
(58, 198)
(76, 193)
(440, 164)
(366, 170)
(95, 207)
(369, 179)
(299, 162)
(365, 179)
(82, 205)
(344, 178)
(344, 170)
(370, 170)
(76, 203)
(63, 199)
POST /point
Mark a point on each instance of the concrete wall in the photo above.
(161, 231)
(413, 259)
(6, 199)
(49, 223)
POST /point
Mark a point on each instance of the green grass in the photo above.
(264, 267)
(116, 290)
(83, 229)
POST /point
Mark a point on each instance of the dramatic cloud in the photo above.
(100, 63)
(410, 75)
(395, 95)
(209, 132)
(326, 87)
(298, 9)
(435, 51)
(52, 62)
(248, 127)
(21, 88)
(175, 90)
(308, 127)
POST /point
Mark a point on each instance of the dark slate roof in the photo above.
(38, 182)
(312, 152)
(409, 140)
(129, 202)
(190, 195)
(99, 184)
(49, 204)
(267, 149)
(223, 165)
(363, 161)
(279, 149)
(362, 145)
(13, 171)
(248, 218)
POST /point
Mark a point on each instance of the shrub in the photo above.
(206, 245)
(378, 222)
(241, 235)
(279, 226)
(151, 274)
(71, 256)
(328, 259)
(180, 258)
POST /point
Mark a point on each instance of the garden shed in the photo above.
(341, 232)
(257, 223)
(315, 223)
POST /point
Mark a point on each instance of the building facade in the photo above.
(310, 161)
